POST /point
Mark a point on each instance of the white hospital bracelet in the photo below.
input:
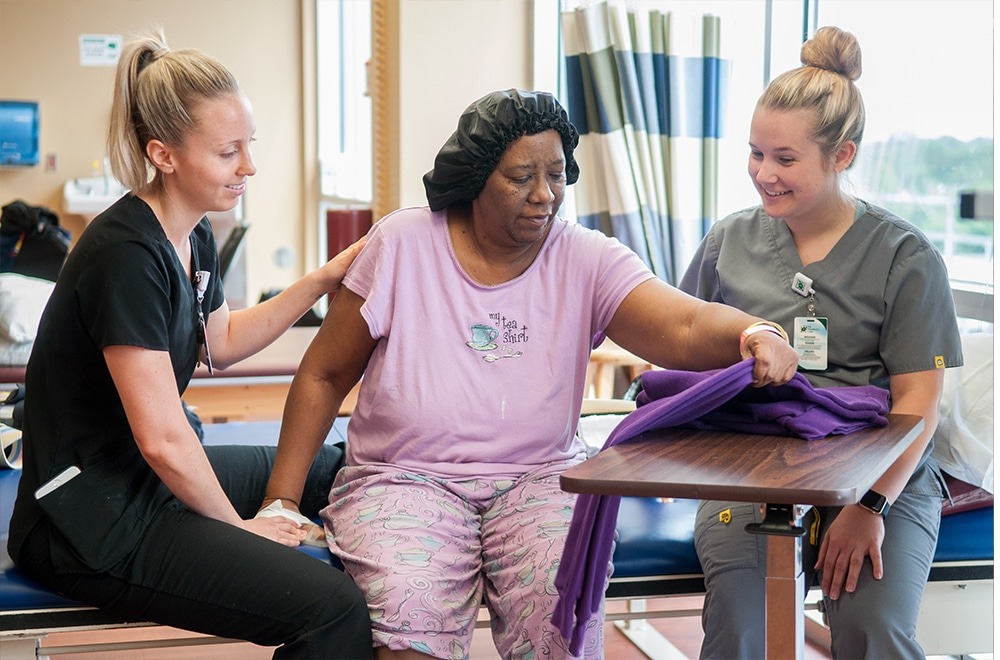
(767, 326)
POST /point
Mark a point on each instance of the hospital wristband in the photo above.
(759, 326)
(271, 500)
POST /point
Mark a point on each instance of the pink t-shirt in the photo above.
(468, 379)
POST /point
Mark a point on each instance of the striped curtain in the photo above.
(645, 89)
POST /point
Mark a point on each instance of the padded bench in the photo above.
(29, 611)
(654, 558)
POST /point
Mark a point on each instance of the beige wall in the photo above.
(448, 53)
(452, 52)
(257, 39)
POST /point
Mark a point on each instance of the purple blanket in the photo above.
(721, 399)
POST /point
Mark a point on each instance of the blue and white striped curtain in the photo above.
(645, 89)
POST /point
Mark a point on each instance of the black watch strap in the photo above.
(875, 502)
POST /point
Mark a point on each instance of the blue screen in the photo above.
(18, 133)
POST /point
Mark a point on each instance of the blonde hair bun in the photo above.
(834, 50)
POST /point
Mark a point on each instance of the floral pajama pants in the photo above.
(428, 551)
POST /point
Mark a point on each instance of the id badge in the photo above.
(811, 340)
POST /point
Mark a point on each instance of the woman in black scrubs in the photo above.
(148, 523)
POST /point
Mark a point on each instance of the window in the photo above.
(927, 84)
(928, 94)
(343, 48)
(928, 89)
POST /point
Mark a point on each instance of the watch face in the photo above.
(874, 501)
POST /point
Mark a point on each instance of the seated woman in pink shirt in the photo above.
(472, 320)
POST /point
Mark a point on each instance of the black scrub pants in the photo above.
(199, 574)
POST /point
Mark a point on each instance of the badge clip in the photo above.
(802, 285)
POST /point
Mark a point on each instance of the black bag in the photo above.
(12, 408)
(31, 241)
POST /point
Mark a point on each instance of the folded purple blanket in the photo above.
(721, 399)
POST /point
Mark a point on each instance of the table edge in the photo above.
(836, 497)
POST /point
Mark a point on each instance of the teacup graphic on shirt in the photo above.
(482, 337)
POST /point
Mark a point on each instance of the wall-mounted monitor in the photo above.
(18, 133)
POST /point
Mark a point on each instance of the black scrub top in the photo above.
(122, 284)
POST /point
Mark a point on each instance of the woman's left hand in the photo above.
(333, 271)
(854, 535)
(311, 533)
(277, 529)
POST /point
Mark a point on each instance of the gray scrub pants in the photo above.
(877, 621)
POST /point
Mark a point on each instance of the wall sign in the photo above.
(100, 49)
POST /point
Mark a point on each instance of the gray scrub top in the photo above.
(883, 287)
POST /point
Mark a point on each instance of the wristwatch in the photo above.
(875, 502)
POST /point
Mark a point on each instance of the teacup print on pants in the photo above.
(482, 337)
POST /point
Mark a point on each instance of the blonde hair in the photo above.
(156, 94)
(824, 85)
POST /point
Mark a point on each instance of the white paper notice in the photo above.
(100, 49)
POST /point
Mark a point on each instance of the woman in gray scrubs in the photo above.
(866, 299)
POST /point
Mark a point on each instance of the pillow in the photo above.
(595, 428)
(14, 353)
(22, 300)
(963, 440)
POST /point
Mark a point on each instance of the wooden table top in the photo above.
(721, 465)
(280, 358)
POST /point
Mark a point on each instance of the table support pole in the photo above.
(785, 583)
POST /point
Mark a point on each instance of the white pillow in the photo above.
(22, 300)
(594, 429)
(963, 441)
(14, 354)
